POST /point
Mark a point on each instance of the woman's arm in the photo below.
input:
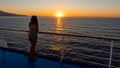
(37, 27)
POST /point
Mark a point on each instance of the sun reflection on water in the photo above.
(59, 27)
(59, 39)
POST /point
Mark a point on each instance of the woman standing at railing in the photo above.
(33, 29)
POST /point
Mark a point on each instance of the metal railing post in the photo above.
(111, 51)
(62, 52)
(3, 42)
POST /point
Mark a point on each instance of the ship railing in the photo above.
(74, 35)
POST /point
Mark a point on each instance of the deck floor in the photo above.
(10, 59)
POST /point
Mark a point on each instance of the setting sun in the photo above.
(59, 14)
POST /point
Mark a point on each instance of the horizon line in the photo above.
(64, 16)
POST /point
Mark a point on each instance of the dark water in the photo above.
(103, 27)
(76, 49)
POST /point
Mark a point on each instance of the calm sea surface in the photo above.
(103, 27)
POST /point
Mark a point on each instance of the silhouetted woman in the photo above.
(33, 28)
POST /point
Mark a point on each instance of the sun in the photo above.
(59, 14)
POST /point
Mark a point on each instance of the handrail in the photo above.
(75, 35)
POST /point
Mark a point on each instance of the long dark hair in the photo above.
(34, 20)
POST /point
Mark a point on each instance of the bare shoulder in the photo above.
(30, 24)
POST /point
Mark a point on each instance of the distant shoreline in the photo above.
(55, 17)
(3, 13)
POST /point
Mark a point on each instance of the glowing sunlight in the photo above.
(59, 14)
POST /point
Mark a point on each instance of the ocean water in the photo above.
(76, 49)
(102, 27)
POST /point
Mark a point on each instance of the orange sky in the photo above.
(67, 13)
(81, 8)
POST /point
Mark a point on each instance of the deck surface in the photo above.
(9, 59)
